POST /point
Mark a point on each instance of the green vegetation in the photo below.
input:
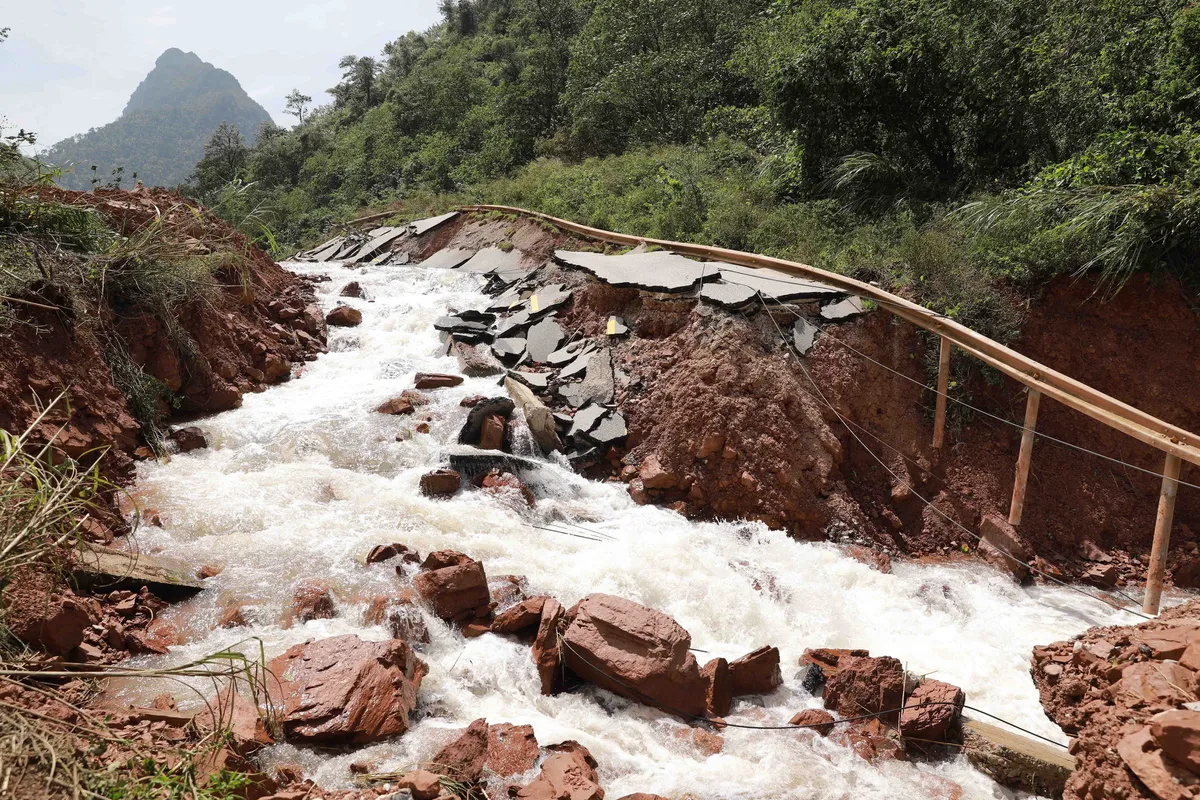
(962, 152)
(160, 135)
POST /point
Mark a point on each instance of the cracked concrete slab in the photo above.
(803, 335)
(494, 261)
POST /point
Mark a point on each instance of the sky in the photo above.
(70, 65)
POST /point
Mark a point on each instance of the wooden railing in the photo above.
(1176, 443)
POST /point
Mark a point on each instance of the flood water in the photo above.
(303, 479)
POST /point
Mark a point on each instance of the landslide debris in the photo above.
(1127, 697)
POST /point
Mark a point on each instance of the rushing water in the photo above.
(303, 479)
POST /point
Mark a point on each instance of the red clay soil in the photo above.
(243, 338)
(1105, 686)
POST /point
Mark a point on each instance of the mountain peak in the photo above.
(174, 57)
(162, 131)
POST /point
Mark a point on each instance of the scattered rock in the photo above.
(344, 317)
(654, 476)
(396, 406)
(1104, 576)
(538, 416)
(44, 620)
(931, 710)
(505, 483)
(464, 758)
(421, 784)
(343, 690)
(1003, 546)
(865, 685)
(756, 672)
(875, 559)
(231, 711)
(719, 692)
(457, 593)
(636, 652)
(523, 616)
(440, 483)
(820, 721)
(353, 289)
(512, 749)
(474, 362)
(385, 552)
(472, 429)
(189, 439)
(433, 380)
(491, 435)
(1165, 778)
(546, 654)
(312, 601)
(568, 773)
(1178, 734)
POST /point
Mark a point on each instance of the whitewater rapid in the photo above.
(303, 479)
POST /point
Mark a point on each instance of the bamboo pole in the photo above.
(1162, 534)
(1024, 458)
(943, 384)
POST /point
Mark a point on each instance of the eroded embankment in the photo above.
(742, 432)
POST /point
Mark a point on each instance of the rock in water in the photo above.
(719, 693)
(635, 652)
(931, 710)
(512, 749)
(756, 672)
(343, 690)
(312, 600)
(344, 317)
(463, 759)
(568, 773)
(546, 654)
(457, 592)
(440, 483)
(434, 380)
(865, 685)
(522, 616)
(815, 718)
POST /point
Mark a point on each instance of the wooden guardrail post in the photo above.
(943, 384)
(1024, 457)
(1162, 533)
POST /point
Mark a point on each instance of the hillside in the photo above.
(162, 131)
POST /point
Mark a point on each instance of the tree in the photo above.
(225, 157)
(358, 81)
(297, 104)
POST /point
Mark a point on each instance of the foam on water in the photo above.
(303, 479)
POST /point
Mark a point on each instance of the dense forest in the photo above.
(162, 131)
(964, 150)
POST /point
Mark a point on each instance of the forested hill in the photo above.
(162, 131)
(961, 149)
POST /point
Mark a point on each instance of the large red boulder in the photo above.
(866, 685)
(930, 710)
(568, 773)
(522, 616)
(636, 652)
(464, 758)
(756, 672)
(343, 690)
(457, 592)
(344, 317)
(1178, 734)
(512, 749)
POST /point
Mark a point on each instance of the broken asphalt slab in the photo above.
(448, 258)
(839, 312)
(421, 226)
(659, 271)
